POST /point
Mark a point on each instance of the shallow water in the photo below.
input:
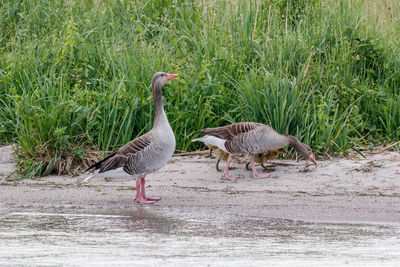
(155, 235)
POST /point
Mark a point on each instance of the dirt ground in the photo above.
(351, 189)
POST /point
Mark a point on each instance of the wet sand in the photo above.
(350, 189)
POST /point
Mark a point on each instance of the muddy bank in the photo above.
(350, 189)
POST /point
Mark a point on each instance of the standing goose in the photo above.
(251, 139)
(147, 153)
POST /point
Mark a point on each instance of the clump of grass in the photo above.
(75, 77)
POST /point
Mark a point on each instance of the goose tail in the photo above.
(212, 140)
(90, 177)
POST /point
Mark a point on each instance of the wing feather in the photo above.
(230, 131)
(126, 156)
(248, 137)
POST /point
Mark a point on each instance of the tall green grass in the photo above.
(75, 75)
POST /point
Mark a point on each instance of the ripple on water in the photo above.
(43, 235)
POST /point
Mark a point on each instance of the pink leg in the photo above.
(144, 194)
(140, 196)
(255, 174)
(138, 191)
(225, 171)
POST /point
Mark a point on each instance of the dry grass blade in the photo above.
(388, 147)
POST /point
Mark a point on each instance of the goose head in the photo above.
(306, 152)
(160, 78)
(301, 148)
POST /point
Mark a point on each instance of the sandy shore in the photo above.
(351, 189)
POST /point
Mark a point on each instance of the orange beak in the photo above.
(171, 76)
(312, 159)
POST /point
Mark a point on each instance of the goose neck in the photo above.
(292, 141)
(159, 113)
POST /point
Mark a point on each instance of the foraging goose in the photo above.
(147, 153)
(251, 139)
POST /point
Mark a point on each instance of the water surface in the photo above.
(154, 235)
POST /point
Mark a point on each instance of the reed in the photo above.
(75, 75)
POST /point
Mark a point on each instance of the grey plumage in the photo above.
(251, 139)
(150, 151)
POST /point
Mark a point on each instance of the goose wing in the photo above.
(127, 156)
(230, 131)
(248, 137)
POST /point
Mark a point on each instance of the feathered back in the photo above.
(254, 138)
(229, 131)
(248, 137)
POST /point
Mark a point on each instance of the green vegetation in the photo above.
(75, 75)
